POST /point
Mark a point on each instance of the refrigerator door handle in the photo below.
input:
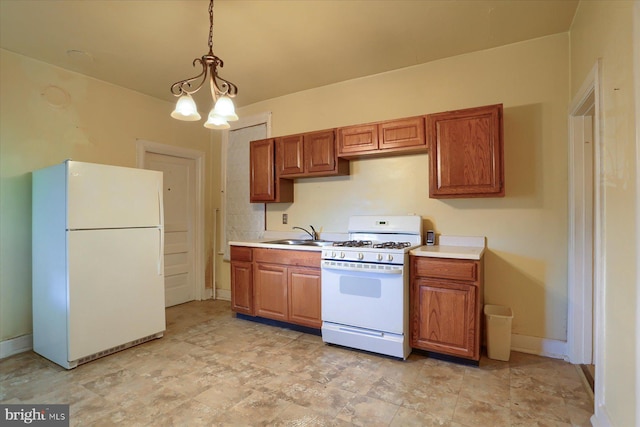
(160, 205)
(161, 230)
(161, 252)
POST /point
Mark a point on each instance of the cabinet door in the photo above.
(320, 152)
(356, 140)
(443, 317)
(290, 155)
(241, 289)
(262, 170)
(402, 135)
(270, 286)
(466, 153)
(304, 297)
(265, 184)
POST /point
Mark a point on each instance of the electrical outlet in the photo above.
(285, 218)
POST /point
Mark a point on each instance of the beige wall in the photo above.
(526, 262)
(603, 29)
(100, 124)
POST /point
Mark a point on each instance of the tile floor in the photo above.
(213, 369)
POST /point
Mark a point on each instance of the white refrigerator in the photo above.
(98, 260)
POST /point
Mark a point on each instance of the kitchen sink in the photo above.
(301, 242)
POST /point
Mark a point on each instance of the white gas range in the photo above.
(365, 285)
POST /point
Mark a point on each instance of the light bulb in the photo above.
(186, 109)
(224, 108)
(216, 122)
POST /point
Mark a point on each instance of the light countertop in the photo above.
(270, 236)
(459, 247)
(264, 243)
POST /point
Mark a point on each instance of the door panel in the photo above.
(446, 321)
(304, 296)
(179, 219)
(291, 154)
(364, 299)
(320, 152)
(115, 288)
(103, 196)
(270, 282)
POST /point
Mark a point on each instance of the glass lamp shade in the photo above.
(186, 109)
(224, 108)
(216, 122)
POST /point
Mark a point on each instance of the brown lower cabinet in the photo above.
(241, 280)
(446, 306)
(277, 284)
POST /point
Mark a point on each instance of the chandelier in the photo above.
(222, 90)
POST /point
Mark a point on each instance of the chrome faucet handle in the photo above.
(316, 236)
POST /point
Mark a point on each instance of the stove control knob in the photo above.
(379, 257)
(390, 257)
(341, 254)
(333, 254)
(360, 255)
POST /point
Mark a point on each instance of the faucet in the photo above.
(313, 233)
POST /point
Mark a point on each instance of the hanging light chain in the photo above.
(211, 28)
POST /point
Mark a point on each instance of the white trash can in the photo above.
(498, 321)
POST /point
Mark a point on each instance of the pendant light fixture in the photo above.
(222, 90)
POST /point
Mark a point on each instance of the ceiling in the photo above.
(270, 48)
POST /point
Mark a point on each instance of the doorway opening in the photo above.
(585, 302)
(183, 182)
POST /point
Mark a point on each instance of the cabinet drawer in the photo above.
(240, 253)
(288, 257)
(354, 140)
(403, 134)
(445, 268)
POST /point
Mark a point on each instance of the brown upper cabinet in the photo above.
(310, 154)
(393, 137)
(265, 182)
(466, 153)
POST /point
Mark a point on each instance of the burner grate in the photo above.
(392, 245)
(370, 244)
(354, 243)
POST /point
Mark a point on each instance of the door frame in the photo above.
(142, 148)
(585, 313)
(244, 122)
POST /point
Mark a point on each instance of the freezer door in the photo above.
(116, 288)
(104, 196)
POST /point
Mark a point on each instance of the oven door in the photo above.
(363, 295)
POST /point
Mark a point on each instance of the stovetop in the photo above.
(377, 239)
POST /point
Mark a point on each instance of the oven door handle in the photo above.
(326, 265)
(361, 332)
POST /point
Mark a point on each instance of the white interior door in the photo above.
(179, 224)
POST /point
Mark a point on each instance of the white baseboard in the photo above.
(223, 294)
(16, 345)
(540, 346)
(208, 293)
(600, 418)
